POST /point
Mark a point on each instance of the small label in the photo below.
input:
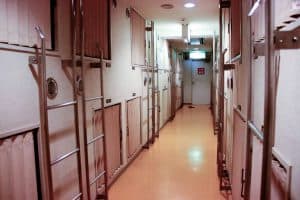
(201, 71)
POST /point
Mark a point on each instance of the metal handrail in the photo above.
(97, 177)
(63, 157)
(254, 8)
(62, 105)
(78, 196)
(95, 139)
(93, 99)
(256, 132)
(47, 185)
(240, 114)
(40, 32)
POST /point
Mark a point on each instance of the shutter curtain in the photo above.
(236, 28)
(138, 38)
(96, 28)
(18, 18)
(17, 168)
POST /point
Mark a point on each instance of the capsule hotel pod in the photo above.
(149, 100)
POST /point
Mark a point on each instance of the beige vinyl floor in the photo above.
(181, 165)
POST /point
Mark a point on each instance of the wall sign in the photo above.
(201, 71)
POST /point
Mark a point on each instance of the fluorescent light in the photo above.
(253, 9)
(197, 55)
(189, 5)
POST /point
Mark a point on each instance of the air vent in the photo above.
(167, 6)
(52, 88)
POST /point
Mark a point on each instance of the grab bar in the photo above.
(44, 136)
(71, 103)
(259, 134)
(254, 8)
(240, 114)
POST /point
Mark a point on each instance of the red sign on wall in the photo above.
(201, 71)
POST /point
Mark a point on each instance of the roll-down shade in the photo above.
(138, 38)
(18, 19)
(96, 22)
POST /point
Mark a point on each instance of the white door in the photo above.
(201, 82)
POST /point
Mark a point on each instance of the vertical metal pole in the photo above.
(104, 128)
(148, 104)
(248, 171)
(158, 102)
(74, 65)
(221, 98)
(153, 81)
(269, 111)
(46, 175)
(81, 37)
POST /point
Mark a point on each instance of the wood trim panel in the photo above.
(133, 125)
(113, 135)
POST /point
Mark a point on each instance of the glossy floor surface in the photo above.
(181, 165)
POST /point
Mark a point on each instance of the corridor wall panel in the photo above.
(113, 133)
(134, 125)
(238, 156)
(258, 88)
(18, 19)
(287, 135)
(257, 154)
(17, 168)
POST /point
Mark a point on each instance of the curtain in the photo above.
(17, 168)
(18, 19)
(138, 38)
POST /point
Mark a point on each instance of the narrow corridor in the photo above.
(180, 166)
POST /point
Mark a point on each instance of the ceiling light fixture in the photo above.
(167, 6)
(189, 5)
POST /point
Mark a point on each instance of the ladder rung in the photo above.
(97, 177)
(65, 156)
(95, 139)
(77, 196)
(71, 103)
(93, 99)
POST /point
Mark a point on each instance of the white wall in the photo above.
(287, 137)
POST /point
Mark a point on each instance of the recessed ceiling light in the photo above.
(189, 5)
(167, 6)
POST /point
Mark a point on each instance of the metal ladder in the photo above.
(46, 162)
(99, 175)
(102, 174)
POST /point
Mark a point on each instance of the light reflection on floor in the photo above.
(195, 156)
